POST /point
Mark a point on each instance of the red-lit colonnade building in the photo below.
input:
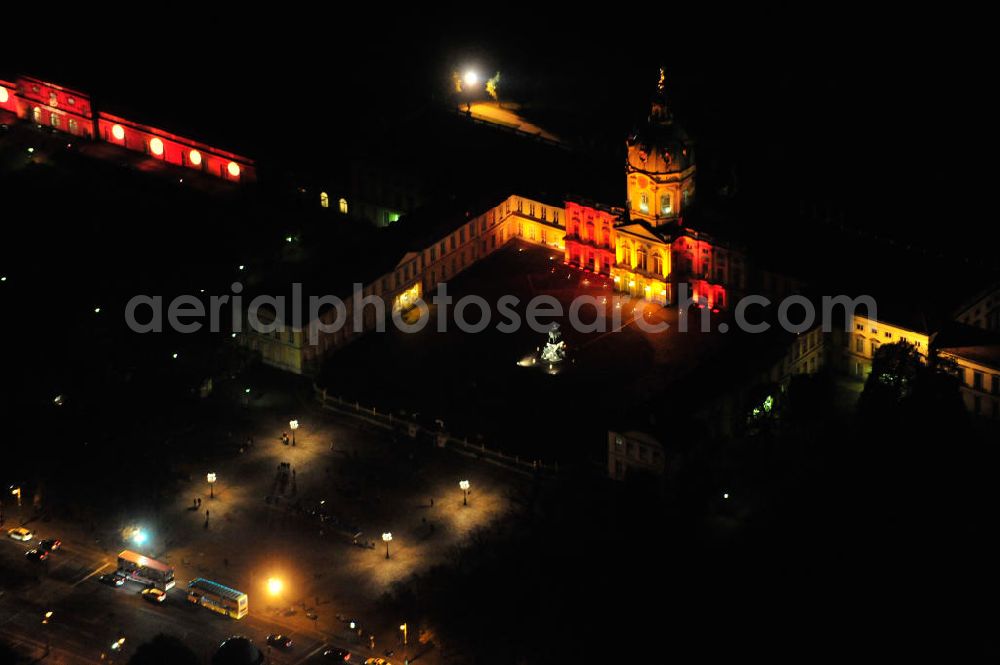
(72, 111)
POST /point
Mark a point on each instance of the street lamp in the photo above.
(139, 537)
(274, 586)
(211, 485)
(405, 630)
(471, 78)
(387, 537)
(464, 486)
(294, 425)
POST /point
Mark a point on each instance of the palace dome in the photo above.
(660, 146)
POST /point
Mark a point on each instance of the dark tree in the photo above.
(164, 650)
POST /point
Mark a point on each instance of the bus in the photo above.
(218, 598)
(141, 568)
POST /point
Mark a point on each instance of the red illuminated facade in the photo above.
(590, 237)
(50, 105)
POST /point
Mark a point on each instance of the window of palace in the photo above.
(640, 259)
(36, 114)
(665, 205)
(342, 203)
(73, 127)
(644, 202)
(54, 118)
(657, 264)
(324, 200)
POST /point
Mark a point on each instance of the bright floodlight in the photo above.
(471, 78)
(274, 586)
(139, 537)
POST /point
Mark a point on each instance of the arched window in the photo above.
(626, 254)
(324, 200)
(644, 202)
(666, 206)
(640, 258)
(343, 206)
(590, 231)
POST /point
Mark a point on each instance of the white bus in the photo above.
(141, 568)
(218, 598)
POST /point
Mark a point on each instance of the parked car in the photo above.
(154, 595)
(20, 533)
(50, 544)
(37, 555)
(280, 641)
(112, 579)
(337, 654)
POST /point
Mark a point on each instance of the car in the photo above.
(337, 654)
(279, 640)
(154, 595)
(50, 544)
(20, 533)
(377, 661)
(112, 579)
(37, 555)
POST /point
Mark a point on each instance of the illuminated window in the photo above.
(71, 101)
(195, 158)
(36, 115)
(324, 200)
(234, 169)
(665, 205)
(4, 95)
(343, 206)
(118, 132)
(54, 119)
(156, 146)
(644, 202)
(73, 126)
(53, 99)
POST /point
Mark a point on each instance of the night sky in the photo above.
(864, 109)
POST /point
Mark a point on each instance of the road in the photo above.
(88, 615)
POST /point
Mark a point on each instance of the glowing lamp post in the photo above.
(294, 425)
(211, 478)
(387, 538)
(464, 486)
(140, 537)
(275, 586)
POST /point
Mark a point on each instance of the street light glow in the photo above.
(139, 537)
(294, 424)
(463, 485)
(274, 586)
(471, 78)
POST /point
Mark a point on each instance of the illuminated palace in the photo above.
(644, 248)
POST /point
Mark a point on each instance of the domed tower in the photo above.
(660, 167)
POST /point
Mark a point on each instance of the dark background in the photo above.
(868, 117)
